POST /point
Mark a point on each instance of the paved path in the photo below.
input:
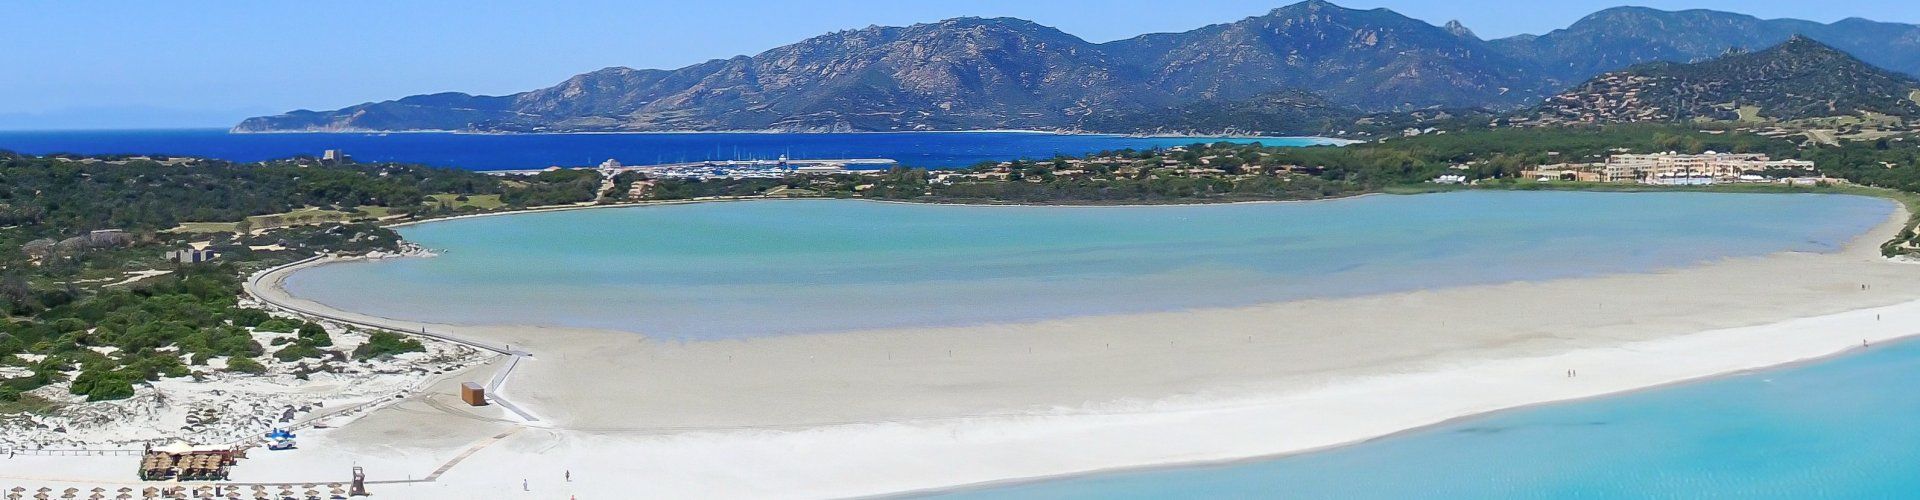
(257, 282)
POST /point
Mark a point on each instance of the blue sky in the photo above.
(143, 64)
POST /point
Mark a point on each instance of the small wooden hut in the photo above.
(473, 394)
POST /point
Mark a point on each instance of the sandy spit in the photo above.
(876, 412)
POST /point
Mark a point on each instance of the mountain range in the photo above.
(1301, 68)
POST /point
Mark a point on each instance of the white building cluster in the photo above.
(1690, 169)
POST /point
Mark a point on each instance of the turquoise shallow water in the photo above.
(731, 270)
(1840, 428)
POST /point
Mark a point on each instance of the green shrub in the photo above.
(248, 317)
(297, 351)
(278, 325)
(242, 364)
(98, 385)
(314, 335)
(386, 344)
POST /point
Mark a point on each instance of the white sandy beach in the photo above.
(878, 412)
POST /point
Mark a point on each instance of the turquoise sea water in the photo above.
(1840, 428)
(731, 270)
(523, 151)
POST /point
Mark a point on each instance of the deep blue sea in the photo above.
(1842, 428)
(745, 269)
(528, 151)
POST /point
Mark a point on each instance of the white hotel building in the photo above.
(1682, 169)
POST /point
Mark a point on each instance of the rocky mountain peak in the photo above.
(1459, 30)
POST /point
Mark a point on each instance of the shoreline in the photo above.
(1900, 218)
(1126, 203)
(965, 443)
(1334, 141)
(1801, 362)
(743, 199)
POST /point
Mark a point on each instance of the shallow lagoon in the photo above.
(733, 270)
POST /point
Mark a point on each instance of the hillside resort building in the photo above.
(1676, 169)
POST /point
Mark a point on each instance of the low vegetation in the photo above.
(386, 344)
(69, 318)
(120, 336)
(72, 228)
